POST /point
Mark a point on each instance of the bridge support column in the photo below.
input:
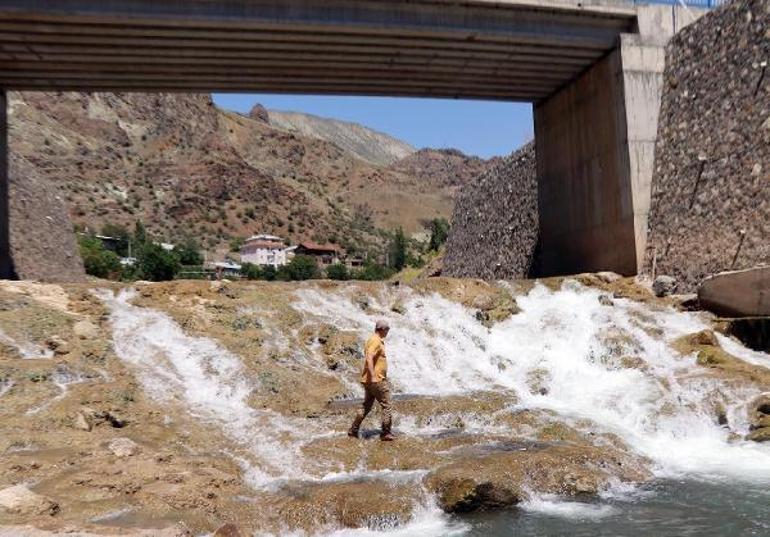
(584, 188)
(6, 263)
(595, 141)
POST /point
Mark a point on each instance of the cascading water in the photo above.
(659, 409)
(573, 342)
(27, 350)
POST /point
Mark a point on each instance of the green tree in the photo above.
(338, 271)
(188, 252)
(97, 260)
(301, 267)
(250, 271)
(397, 250)
(140, 235)
(155, 263)
(439, 232)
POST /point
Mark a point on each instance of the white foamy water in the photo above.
(553, 506)
(26, 349)
(427, 520)
(661, 407)
(62, 378)
(574, 344)
(5, 386)
(207, 380)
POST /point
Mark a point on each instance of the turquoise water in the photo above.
(665, 509)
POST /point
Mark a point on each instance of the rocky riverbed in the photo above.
(176, 408)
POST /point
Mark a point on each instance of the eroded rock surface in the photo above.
(107, 436)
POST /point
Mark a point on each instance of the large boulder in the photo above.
(19, 500)
(507, 477)
(742, 293)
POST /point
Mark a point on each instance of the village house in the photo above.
(324, 254)
(265, 250)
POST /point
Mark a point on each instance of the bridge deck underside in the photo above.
(476, 49)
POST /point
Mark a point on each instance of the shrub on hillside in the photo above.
(373, 272)
(338, 271)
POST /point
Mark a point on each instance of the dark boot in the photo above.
(386, 435)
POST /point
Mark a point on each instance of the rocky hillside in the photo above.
(184, 166)
(372, 146)
(443, 168)
(495, 222)
(710, 207)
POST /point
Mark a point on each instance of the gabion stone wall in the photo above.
(710, 208)
(495, 223)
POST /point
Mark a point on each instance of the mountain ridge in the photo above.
(369, 144)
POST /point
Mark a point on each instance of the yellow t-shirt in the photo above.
(375, 348)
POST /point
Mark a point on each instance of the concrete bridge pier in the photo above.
(6, 263)
(595, 140)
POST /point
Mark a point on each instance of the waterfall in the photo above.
(574, 343)
(659, 403)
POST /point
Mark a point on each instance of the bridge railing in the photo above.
(708, 4)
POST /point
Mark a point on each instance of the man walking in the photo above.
(374, 378)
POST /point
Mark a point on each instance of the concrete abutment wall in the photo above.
(595, 143)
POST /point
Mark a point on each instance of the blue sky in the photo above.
(475, 127)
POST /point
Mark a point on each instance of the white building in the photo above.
(264, 250)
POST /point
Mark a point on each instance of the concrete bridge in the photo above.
(593, 73)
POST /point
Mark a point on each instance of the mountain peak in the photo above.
(259, 113)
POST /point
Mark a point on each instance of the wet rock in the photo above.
(362, 301)
(664, 285)
(123, 447)
(761, 422)
(744, 293)
(375, 504)
(398, 307)
(704, 337)
(85, 330)
(759, 435)
(506, 478)
(342, 348)
(81, 422)
(58, 345)
(605, 300)
(228, 530)
(98, 417)
(608, 277)
(22, 501)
